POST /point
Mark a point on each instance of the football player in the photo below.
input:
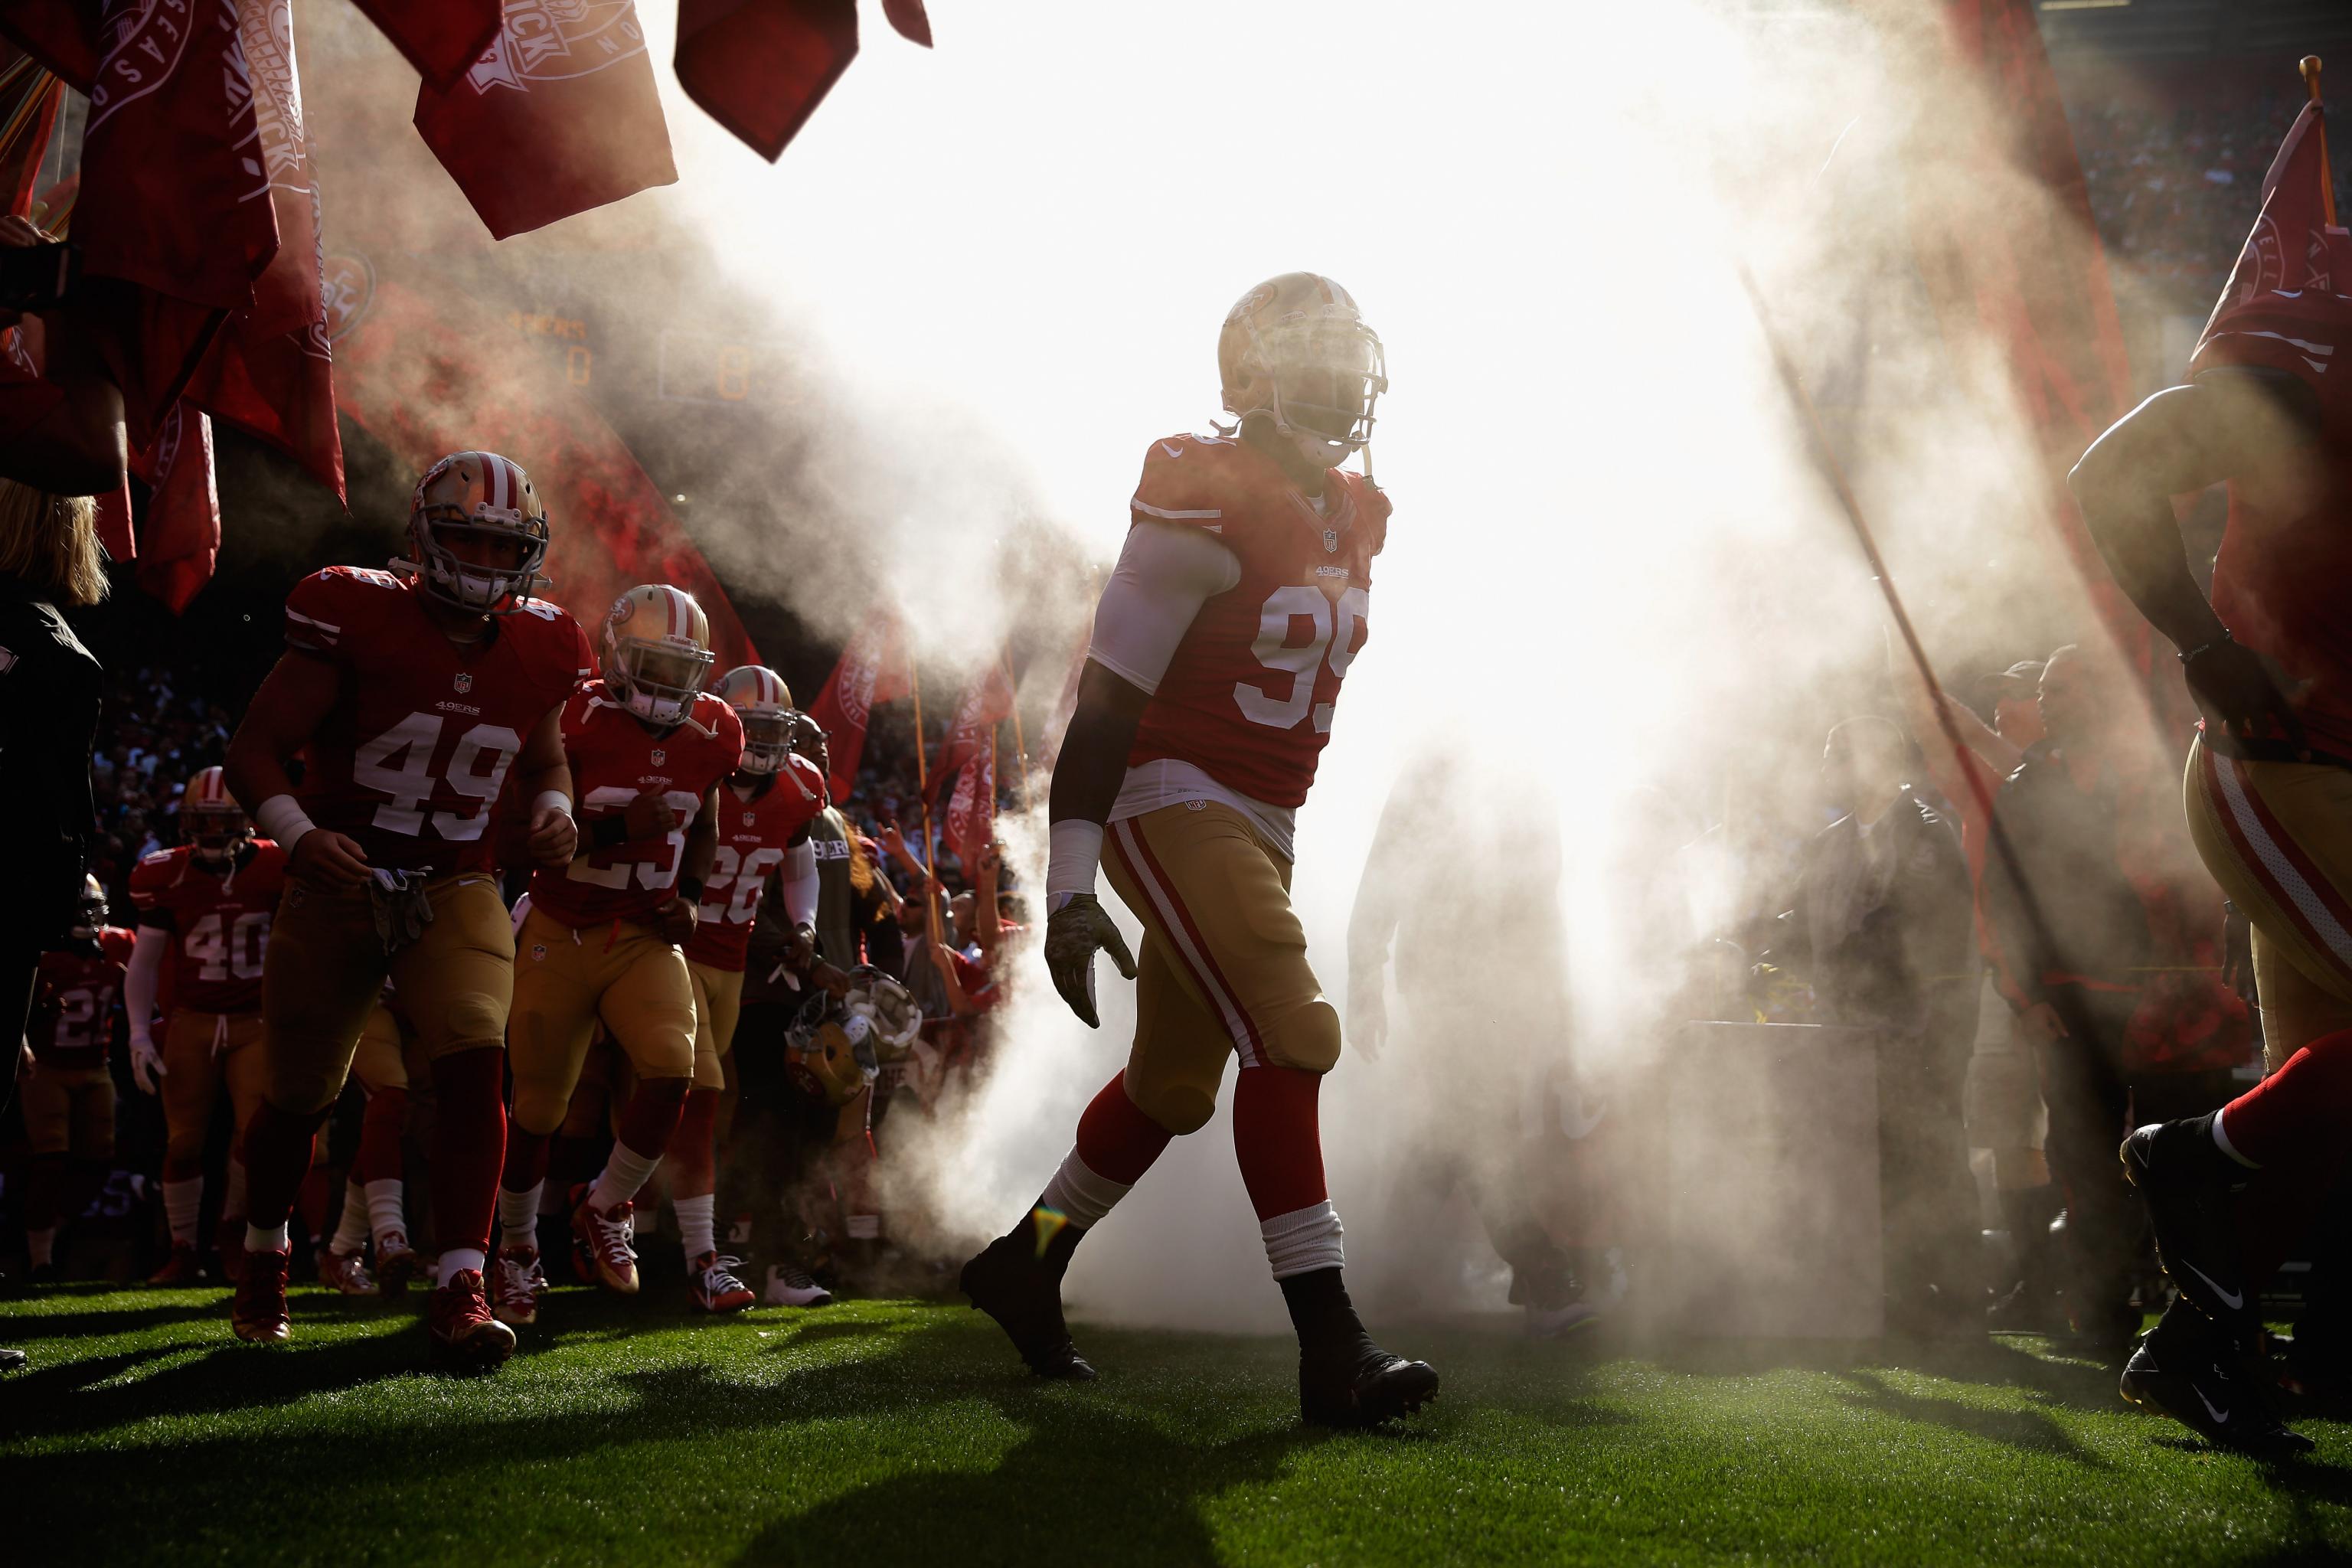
(649, 750)
(412, 693)
(69, 1095)
(205, 909)
(374, 1204)
(1220, 643)
(766, 810)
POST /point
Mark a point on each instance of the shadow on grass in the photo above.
(2027, 1429)
(1988, 1360)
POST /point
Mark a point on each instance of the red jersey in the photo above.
(752, 838)
(411, 762)
(220, 923)
(2286, 554)
(1248, 697)
(74, 992)
(616, 759)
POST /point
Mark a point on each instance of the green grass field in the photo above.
(904, 1432)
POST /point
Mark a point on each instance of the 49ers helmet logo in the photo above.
(550, 40)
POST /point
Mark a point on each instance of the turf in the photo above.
(904, 1432)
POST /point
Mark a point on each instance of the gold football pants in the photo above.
(203, 1053)
(68, 1111)
(325, 971)
(565, 980)
(717, 1004)
(2278, 837)
(1222, 971)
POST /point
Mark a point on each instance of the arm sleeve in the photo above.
(797, 879)
(1165, 574)
(146, 969)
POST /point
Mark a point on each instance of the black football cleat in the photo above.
(1011, 1284)
(2187, 1182)
(2192, 1372)
(1361, 1386)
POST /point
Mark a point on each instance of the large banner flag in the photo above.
(559, 115)
(440, 37)
(873, 667)
(29, 97)
(759, 67)
(968, 756)
(183, 521)
(2288, 303)
(428, 371)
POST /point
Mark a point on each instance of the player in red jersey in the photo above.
(649, 749)
(204, 909)
(412, 694)
(764, 813)
(68, 1094)
(2268, 658)
(1240, 599)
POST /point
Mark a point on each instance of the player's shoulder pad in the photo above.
(323, 608)
(719, 715)
(1373, 505)
(153, 874)
(1189, 480)
(808, 779)
(116, 942)
(551, 641)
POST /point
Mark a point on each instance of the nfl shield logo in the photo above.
(539, 952)
(1330, 541)
(465, 683)
(749, 818)
(659, 756)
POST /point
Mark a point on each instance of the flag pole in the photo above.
(1020, 746)
(2309, 65)
(993, 729)
(923, 795)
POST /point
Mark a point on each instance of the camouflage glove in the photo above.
(1074, 934)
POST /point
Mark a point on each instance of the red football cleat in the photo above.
(712, 1281)
(518, 1281)
(180, 1268)
(397, 1263)
(345, 1273)
(259, 1311)
(466, 1337)
(601, 1239)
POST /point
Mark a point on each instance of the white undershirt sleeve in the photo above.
(1166, 573)
(138, 988)
(797, 881)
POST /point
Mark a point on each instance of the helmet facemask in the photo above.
(89, 912)
(214, 832)
(767, 740)
(484, 590)
(656, 681)
(1320, 380)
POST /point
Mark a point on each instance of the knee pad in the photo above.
(476, 1020)
(1180, 1108)
(1309, 1040)
(540, 1105)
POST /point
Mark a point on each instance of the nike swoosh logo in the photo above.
(2227, 1299)
(2219, 1417)
(1171, 451)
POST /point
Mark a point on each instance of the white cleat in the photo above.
(789, 1285)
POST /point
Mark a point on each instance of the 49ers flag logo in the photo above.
(550, 40)
(873, 668)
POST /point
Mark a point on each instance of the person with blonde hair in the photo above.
(49, 683)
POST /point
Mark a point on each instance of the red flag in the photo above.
(57, 33)
(759, 67)
(182, 512)
(440, 37)
(2294, 263)
(271, 371)
(559, 115)
(987, 702)
(970, 820)
(909, 18)
(873, 668)
(434, 375)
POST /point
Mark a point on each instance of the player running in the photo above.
(1239, 600)
(649, 749)
(412, 694)
(2269, 660)
(204, 909)
(68, 1091)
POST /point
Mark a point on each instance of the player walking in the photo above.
(1220, 644)
(412, 693)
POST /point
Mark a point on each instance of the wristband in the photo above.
(551, 800)
(690, 890)
(282, 817)
(1075, 850)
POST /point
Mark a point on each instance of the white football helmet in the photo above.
(657, 652)
(1294, 349)
(764, 704)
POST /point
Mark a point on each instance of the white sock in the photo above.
(458, 1259)
(624, 1175)
(2221, 1142)
(1303, 1240)
(39, 1245)
(182, 1203)
(697, 1224)
(1079, 1195)
(271, 1240)
(232, 1201)
(386, 1216)
(518, 1218)
(351, 1230)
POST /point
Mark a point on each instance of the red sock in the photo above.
(527, 1159)
(469, 1144)
(692, 1160)
(650, 1118)
(2299, 1110)
(1278, 1139)
(277, 1157)
(1116, 1139)
(319, 1186)
(380, 1127)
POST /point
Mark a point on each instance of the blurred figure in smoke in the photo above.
(1241, 597)
(2087, 814)
(1883, 916)
(1466, 883)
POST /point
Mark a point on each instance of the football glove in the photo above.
(1074, 934)
(147, 1069)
